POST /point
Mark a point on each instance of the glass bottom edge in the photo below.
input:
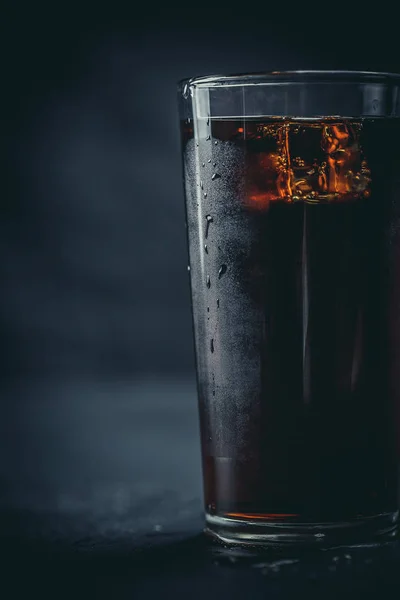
(365, 530)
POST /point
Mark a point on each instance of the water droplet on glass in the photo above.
(214, 164)
(208, 282)
(208, 138)
(203, 164)
(197, 144)
(212, 345)
(209, 220)
(188, 267)
(201, 184)
(216, 142)
(215, 176)
(217, 302)
(205, 194)
(206, 248)
(222, 270)
(208, 309)
(209, 160)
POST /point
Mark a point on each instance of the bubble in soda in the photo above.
(308, 161)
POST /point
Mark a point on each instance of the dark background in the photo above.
(98, 417)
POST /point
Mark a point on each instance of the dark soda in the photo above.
(295, 254)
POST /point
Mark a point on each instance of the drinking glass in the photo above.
(292, 187)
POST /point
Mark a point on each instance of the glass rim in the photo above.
(288, 77)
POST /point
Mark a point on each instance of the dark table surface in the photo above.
(101, 497)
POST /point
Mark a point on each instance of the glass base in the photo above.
(244, 532)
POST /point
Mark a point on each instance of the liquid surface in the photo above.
(295, 254)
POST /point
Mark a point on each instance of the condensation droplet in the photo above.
(206, 248)
(209, 160)
(215, 176)
(212, 345)
(214, 164)
(208, 309)
(188, 267)
(216, 142)
(217, 302)
(222, 270)
(201, 184)
(208, 282)
(205, 194)
(208, 138)
(209, 220)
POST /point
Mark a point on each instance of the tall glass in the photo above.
(292, 183)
